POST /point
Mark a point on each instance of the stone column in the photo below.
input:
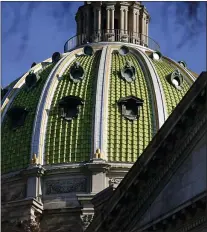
(121, 20)
(112, 18)
(126, 21)
(99, 18)
(147, 25)
(108, 19)
(137, 19)
(95, 21)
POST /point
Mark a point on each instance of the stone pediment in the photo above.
(187, 182)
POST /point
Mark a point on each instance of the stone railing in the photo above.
(111, 36)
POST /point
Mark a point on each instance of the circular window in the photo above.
(156, 55)
(182, 63)
(31, 80)
(128, 72)
(124, 50)
(76, 72)
(177, 79)
(56, 57)
(33, 64)
(88, 50)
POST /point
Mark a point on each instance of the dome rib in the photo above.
(16, 143)
(41, 119)
(99, 104)
(16, 88)
(161, 107)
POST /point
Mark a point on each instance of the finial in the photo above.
(34, 159)
(98, 154)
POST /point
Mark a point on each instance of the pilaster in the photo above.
(98, 168)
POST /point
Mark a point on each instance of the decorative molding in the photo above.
(86, 220)
(114, 182)
(21, 226)
(65, 186)
(14, 194)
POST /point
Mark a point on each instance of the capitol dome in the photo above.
(100, 102)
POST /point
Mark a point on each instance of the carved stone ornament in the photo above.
(65, 186)
(22, 226)
(114, 181)
(86, 220)
(76, 72)
(128, 72)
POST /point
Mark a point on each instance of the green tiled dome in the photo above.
(99, 123)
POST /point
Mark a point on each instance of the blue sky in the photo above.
(34, 35)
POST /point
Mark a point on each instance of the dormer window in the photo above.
(31, 80)
(128, 72)
(76, 72)
(17, 116)
(176, 79)
(70, 107)
(130, 107)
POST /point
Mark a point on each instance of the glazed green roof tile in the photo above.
(71, 141)
(172, 95)
(16, 143)
(119, 139)
(126, 139)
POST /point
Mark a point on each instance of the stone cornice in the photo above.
(181, 212)
(25, 202)
(33, 170)
(141, 167)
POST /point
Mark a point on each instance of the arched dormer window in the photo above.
(130, 107)
(70, 107)
(17, 116)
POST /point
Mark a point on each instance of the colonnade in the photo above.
(132, 18)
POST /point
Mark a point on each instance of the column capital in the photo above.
(110, 7)
(123, 7)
